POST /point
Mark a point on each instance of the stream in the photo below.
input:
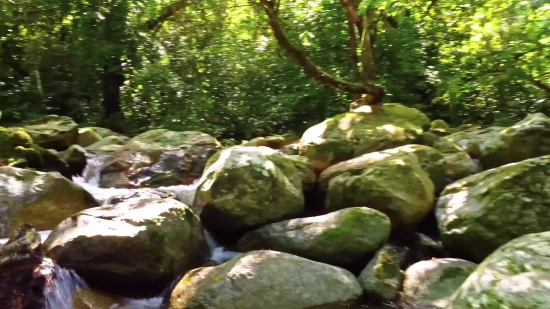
(69, 291)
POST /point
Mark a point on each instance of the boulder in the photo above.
(274, 142)
(382, 278)
(22, 283)
(159, 158)
(392, 182)
(363, 130)
(56, 132)
(341, 238)
(432, 283)
(135, 242)
(458, 163)
(104, 132)
(515, 276)
(439, 127)
(87, 136)
(526, 139)
(430, 160)
(244, 187)
(75, 156)
(108, 145)
(267, 280)
(474, 141)
(479, 213)
(32, 197)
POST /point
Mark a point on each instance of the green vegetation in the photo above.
(237, 69)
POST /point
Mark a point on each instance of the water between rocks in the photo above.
(71, 292)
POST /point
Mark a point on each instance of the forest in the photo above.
(237, 69)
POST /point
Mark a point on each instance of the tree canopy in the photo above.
(241, 68)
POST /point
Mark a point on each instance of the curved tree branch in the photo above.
(310, 69)
(166, 13)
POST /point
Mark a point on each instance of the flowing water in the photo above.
(69, 291)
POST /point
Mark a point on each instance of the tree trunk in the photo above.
(112, 81)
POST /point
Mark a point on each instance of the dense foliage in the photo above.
(215, 65)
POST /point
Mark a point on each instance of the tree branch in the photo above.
(353, 15)
(166, 13)
(310, 69)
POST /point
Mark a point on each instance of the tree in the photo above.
(365, 31)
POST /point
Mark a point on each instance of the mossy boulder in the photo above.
(244, 187)
(305, 169)
(476, 140)
(340, 238)
(55, 132)
(430, 160)
(87, 136)
(364, 130)
(274, 142)
(479, 213)
(440, 127)
(108, 145)
(526, 139)
(37, 198)
(76, 157)
(392, 182)
(104, 132)
(266, 280)
(458, 163)
(159, 158)
(432, 283)
(135, 242)
(382, 278)
(514, 276)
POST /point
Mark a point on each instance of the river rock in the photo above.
(75, 156)
(40, 199)
(20, 259)
(87, 136)
(339, 238)
(274, 142)
(458, 163)
(392, 182)
(432, 283)
(363, 130)
(159, 158)
(108, 145)
(135, 242)
(517, 276)
(382, 278)
(479, 213)
(526, 139)
(244, 187)
(267, 280)
(56, 132)
(440, 127)
(474, 140)
(90, 135)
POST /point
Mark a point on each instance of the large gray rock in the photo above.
(432, 283)
(56, 132)
(266, 280)
(339, 238)
(363, 130)
(40, 199)
(479, 213)
(392, 181)
(244, 187)
(158, 158)
(133, 242)
(517, 276)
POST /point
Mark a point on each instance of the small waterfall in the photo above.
(218, 253)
